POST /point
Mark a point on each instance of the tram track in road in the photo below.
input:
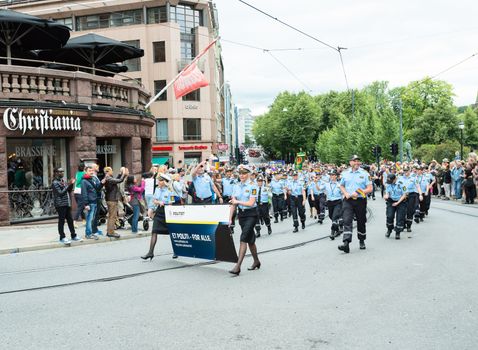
(142, 273)
(450, 206)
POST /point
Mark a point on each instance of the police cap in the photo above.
(391, 178)
(354, 157)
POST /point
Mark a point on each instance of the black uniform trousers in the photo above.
(297, 208)
(396, 214)
(278, 206)
(227, 199)
(423, 205)
(320, 203)
(358, 208)
(263, 213)
(427, 200)
(335, 215)
(288, 203)
(413, 209)
(64, 213)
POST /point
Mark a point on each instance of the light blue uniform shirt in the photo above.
(243, 192)
(264, 196)
(295, 187)
(325, 178)
(203, 186)
(396, 190)
(423, 182)
(162, 195)
(228, 186)
(354, 180)
(312, 188)
(332, 189)
(277, 187)
(410, 182)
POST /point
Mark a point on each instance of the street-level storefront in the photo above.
(35, 140)
(187, 153)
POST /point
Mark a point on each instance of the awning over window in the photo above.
(160, 160)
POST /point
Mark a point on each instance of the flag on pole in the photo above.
(299, 160)
(191, 79)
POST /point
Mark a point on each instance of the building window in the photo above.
(134, 64)
(188, 46)
(192, 129)
(66, 22)
(158, 86)
(107, 20)
(159, 51)
(193, 96)
(187, 17)
(161, 130)
(157, 15)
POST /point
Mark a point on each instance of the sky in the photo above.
(397, 41)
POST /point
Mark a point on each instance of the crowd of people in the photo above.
(261, 195)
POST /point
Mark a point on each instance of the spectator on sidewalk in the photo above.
(99, 200)
(469, 186)
(62, 200)
(89, 196)
(136, 198)
(112, 196)
(79, 204)
(446, 179)
(457, 175)
(149, 186)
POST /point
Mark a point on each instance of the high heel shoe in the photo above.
(235, 272)
(254, 266)
(148, 256)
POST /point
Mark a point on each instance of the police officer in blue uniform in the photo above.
(203, 186)
(244, 198)
(423, 182)
(296, 191)
(334, 204)
(396, 197)
(320, 199)
(410, 181)
(262, 206)
(162, 196)
(355, 184)
(313, 196)
(279, 195)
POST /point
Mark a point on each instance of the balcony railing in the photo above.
(192, 137)
(43, 84)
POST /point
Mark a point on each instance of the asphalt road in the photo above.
(417, 293)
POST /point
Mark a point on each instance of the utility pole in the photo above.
(401, 130)
(353, 103)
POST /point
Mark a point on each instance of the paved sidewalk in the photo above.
(38, 236)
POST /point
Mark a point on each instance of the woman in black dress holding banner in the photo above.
(162, 197)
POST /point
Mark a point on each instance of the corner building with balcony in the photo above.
(171, 33)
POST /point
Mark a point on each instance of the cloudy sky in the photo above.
(394, 40)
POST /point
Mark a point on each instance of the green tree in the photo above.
(248, 141)
(291, 125)
(470, 117)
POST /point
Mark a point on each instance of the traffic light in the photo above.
(394, 149)
(379, 150)
(374, 151)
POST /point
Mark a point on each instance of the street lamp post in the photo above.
(461, 126)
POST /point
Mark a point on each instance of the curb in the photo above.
(54, 245)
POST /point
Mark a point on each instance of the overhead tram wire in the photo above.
(422, 81)
(336, 49)
(291, 73)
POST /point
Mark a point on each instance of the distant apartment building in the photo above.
(171, 33)
(246, 122)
